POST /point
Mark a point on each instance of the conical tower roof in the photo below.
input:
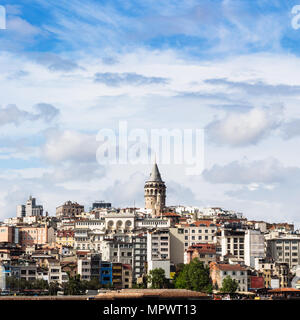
(155, 175)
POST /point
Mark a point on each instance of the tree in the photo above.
(53, 288)
(157, 278)
(229, 285)
(73, 286)
(194, 276)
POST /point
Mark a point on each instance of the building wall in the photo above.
(6, 234)
(177, 245)
(254, 246)
(33, 235)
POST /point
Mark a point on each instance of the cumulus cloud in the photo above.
(12, 114)
(69, 145)
(244, 129)
(127, 78)
(267, 171)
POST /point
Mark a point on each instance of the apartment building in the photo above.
(203, 252)
(127, 276)
(202, 231)
(117, 251)
(158, 250)
(32, 235)
(56, 274)
(69, 209)
(219, 271)
(233, 243)
(65, 238)
(89, 267)
(285, 248)
(254, 246)
(9, 234)
(139, 244)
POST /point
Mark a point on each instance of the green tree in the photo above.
(73, 286)
(53, 288)
(157, 278)
(229, 285)
(194, 276)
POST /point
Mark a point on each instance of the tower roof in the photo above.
(155, 175)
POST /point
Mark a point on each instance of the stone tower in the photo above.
(155, 192)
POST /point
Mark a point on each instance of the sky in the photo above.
(231, 68)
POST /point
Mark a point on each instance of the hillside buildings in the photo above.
(118, 247)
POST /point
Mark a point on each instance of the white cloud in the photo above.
(242, 129)
(69, 145)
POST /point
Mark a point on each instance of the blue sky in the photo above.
(71, 68)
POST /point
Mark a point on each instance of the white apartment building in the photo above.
(254, 246)
(158, 250)
(199, 232)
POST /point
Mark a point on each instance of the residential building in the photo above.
(69, 209)
(284, 248)
(233, 242)
(199, 232)
(203, 252)
(254, 246)
(219, 271)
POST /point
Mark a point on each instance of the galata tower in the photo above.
(155, 192)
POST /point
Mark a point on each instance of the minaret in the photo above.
(155, 192)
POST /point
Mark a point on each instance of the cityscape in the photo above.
(149, 156)
(104, 249)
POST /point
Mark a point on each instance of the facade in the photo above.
(155, 193)
(203, 252)
(89, 267)
(284, 249)
(31, 235)
(9, 234)
(65, 238)
(139, 265)
(69, 209)
(127, 276)
(254, 246)
(56, 274)
(233, 243)
(29, 209)
(199, 232)
(177, 245)
(101, 205)
(158, 250)
(219, 272)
